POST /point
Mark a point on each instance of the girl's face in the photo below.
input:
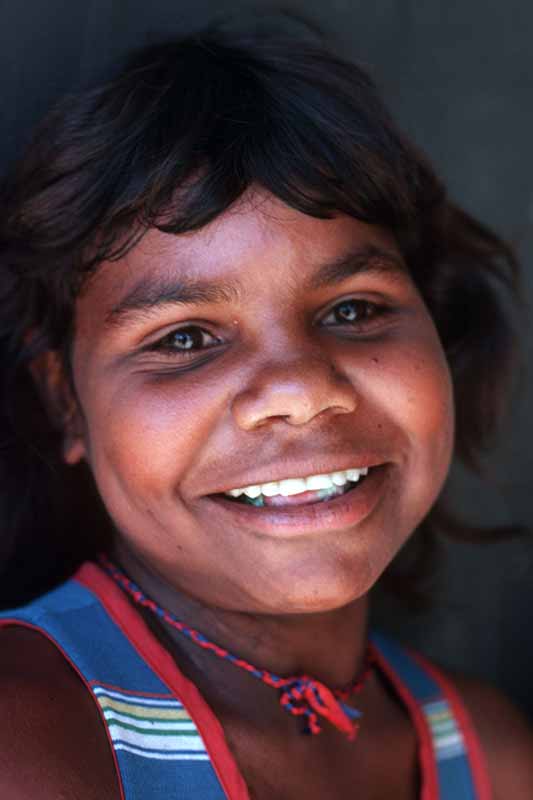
(267, 346)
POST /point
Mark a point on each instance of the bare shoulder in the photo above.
(52, 740)
(505, 735)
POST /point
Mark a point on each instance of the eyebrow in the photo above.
(148, 294)
(369, 259)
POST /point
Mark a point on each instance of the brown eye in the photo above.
(184, 340)
(350, 312)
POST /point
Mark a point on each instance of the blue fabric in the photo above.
(157, 765)
(453, 768)
(74, 618)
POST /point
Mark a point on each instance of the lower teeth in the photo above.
(253, 501)
(321, 494)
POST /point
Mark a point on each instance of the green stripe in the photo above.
(177, 727)
(151, 731)
(176, 721)
(444, 727)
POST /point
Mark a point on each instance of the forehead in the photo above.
(243, 251)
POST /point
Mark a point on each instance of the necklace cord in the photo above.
(299, 695)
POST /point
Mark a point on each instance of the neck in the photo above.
(330, 646)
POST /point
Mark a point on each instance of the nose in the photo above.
(296, 392)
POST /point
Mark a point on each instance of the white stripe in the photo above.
(163, 756)
(155, 742)
(177, 725)
(446, 726)
(448, 741)
(136, 700)
(450, 752)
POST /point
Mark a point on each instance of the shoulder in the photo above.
(52, 743)
(505, 736)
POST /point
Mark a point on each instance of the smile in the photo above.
(296, 491)
(339, 506)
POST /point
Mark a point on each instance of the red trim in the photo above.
(161, 662)
(132, 625)
(476, 756)
(4, 623)
(429, 789)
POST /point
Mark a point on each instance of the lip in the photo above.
(298, 471)
(340, 513)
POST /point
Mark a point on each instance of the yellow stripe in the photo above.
(143, 712)
(439, 716)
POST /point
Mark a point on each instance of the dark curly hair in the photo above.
(176, 137)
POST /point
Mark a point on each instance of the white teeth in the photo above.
(355, 474)
(315, 482)
(270, 489)
(252, 491)
(339, 478)
(291, 486)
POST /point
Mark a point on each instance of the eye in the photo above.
(185, 341)
(354, 312)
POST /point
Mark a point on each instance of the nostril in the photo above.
(273, 418)
(294, 393)
(342, 409)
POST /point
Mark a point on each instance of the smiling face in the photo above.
(268, 345)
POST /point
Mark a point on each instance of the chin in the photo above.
(313, 591)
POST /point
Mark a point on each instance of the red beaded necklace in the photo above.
(300, 695)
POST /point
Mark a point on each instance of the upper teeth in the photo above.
(298, 485)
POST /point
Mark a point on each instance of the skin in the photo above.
(284, 376)
(282, 383)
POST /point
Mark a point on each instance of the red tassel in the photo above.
(328, 706)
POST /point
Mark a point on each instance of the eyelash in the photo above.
(371, 312)
(165, 348)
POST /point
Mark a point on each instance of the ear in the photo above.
(60, 402)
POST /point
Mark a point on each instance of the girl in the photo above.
(237, 302)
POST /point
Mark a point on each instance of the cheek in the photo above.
(409, 389)
(426, 412)
(432, 421)
(424, 395)
(145, 436)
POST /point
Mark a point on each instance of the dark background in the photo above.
(459, 77)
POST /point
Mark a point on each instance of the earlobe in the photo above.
(73, 449)
(57, 396)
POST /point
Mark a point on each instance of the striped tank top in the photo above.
(165, 740)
